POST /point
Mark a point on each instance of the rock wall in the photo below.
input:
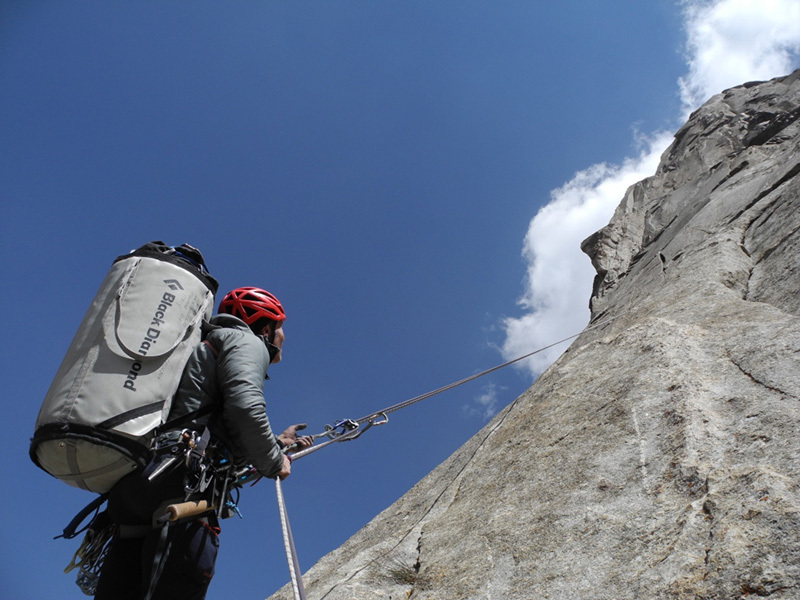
(658, 457)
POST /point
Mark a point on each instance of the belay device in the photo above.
(116, 382)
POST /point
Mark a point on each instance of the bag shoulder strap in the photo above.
(206, 328)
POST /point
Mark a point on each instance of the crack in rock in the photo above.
(758, 381)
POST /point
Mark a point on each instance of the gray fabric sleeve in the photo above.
(241, 367)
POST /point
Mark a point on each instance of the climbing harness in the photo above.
(210, 478)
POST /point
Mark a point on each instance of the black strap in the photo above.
(71, 530)
(129, 415)
(177, 422)
(131, 449)
(159, 559)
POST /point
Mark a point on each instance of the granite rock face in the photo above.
(659, 457)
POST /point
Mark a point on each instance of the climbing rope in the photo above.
(350, 429)
(288, 542)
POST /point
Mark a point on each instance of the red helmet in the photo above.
(251, 304)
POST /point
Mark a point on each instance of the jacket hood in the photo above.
(229, 321)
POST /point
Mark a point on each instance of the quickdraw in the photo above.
(343, 431)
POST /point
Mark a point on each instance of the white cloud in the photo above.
(559, 279)
(728, 42)
(485, 405)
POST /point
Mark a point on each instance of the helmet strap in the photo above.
(271, 348)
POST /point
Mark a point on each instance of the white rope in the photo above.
(288, 542)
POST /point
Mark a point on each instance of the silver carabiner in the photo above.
(206, 476)
(384, 421)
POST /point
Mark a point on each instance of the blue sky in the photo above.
(380, 166)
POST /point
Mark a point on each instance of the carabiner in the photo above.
(343, 427)
(384, 421)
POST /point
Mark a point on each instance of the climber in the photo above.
(221, 394)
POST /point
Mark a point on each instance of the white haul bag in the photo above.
(116, 382)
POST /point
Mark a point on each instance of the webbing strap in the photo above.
(130, 415)
(72, 463)
(71, 530)
(159, 559)
(288, 542)
(183, 419)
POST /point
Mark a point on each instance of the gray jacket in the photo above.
(228, 372)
